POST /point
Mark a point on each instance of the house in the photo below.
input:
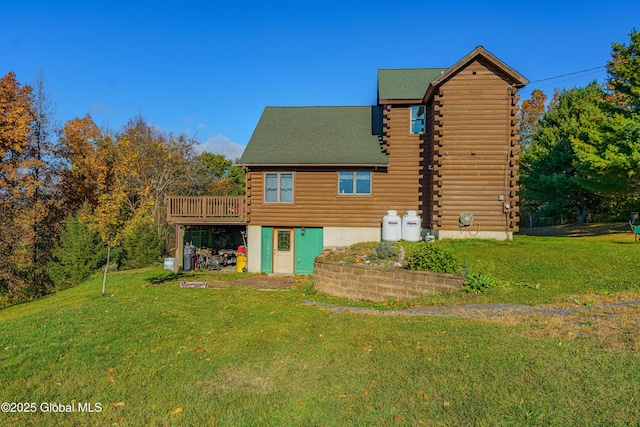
(440, 141)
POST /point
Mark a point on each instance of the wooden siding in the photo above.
(465, 162)
(475, 146)
(428, 165)
(206, 210)
(316, 199)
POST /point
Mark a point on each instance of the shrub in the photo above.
(385, 250)
(432, 257)
(477, 283)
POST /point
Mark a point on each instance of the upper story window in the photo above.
(278, 187)
(354, 182)
(418, 118)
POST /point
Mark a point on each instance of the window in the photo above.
(278, 188)
(417, 118)
(354, 182)
(284, 240)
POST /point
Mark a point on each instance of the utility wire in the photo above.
(569, 74)
(566, 80)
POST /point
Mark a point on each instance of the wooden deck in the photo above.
(196, 210)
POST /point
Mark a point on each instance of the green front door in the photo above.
(309, 243)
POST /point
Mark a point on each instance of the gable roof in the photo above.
(317, 136)
(405, 83)
(517, 79)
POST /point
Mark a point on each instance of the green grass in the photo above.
(559, 267)
(236, 356)
(537, 270)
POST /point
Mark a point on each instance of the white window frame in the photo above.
(355, 183)
(279, 188)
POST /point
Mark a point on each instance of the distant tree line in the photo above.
(76, 197)
(581, 151)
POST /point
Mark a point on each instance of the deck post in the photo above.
(179, 248)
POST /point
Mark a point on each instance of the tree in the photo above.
(43, 209)
(585, 152)
(89, 158)
(151, 164)
(215, 175)
(16, 119)
(141, 244)
(531, 111)
(78, 254)
(623, 81)
(608, 152)
(108, 219)
(551, 173)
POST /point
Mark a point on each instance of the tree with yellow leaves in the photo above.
(16, 118)
(44, 208)
(90, 157)
(109, 218)
(150, 165)
(531, 111)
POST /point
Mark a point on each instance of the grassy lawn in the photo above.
(154, 354)
(543, 269)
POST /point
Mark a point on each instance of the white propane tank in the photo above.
(391, 227)
(411, 230)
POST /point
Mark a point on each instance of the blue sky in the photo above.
(208, 68)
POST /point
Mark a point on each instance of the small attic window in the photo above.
(417, 118)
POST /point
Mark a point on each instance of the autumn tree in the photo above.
(531, 111)
(89, 157)
(109, 219)
(16, 119)
(42, 213)
(151, 164)
(122, 178)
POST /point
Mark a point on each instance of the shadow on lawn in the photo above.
(579, 230)
(165, 277)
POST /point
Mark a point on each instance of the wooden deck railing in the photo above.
(206, 209)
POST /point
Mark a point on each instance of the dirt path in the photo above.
(488, 311)
(608, 325)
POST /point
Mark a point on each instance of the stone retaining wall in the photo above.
(356, 282)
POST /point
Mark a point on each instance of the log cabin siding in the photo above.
(474, 150)
(316, 201)
(466, 161)
(428, 165)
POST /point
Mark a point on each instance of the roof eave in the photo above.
(364, 165)
(400, 101)
(518, 79)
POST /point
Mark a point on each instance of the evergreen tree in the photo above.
(141, 245)
(79, 253)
